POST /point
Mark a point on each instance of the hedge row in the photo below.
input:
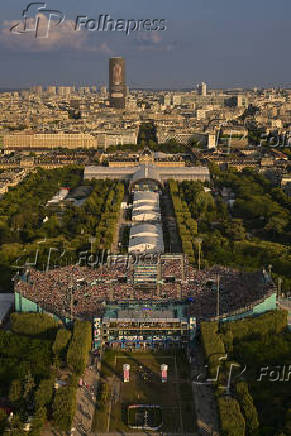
(80, 346)
(272, 322)
(64, 406)
(34, 324)
(213, 345)
(187, 227)
(248, 408)
(232, 422)
(109, 218)
(61, 342)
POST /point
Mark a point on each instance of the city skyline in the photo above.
(224, 44)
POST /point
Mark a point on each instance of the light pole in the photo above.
(279, 288)
(92, 241)
(218, 296)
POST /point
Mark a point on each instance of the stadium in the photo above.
(147, 297)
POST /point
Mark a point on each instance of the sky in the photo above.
(226, 43)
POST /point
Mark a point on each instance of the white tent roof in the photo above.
(145, 229)
(141, 196)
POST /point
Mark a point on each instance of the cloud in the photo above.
(61, 37)
(152, 41)
(106, 49)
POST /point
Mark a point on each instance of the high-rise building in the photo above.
(117, 86)
(202, 89)
(64, 91)
(83, 90)
(103, 91)
(51, 90)
(37, 90)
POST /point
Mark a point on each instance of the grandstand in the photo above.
(140, 326)
(145, 274)
(79, 292)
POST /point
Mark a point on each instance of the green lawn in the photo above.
(145, 387)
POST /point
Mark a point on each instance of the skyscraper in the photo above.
(117, 87)
(202, 89)
(103, 91)
(51, 90)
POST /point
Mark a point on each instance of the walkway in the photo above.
(203, 394)
(173, 245)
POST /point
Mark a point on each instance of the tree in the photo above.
(235, 229)
(28, 385)
(193, 227)
(64, 407)
(61, 342)
(34, 324)
(276, 224)
(288, 422)
(231, 420)
(15, 427)
(44, 393)
(228, 341)
(15, 391)
(52, 227)
(3, 420)
(248, 408)
(212, 344)
(78, 351)
(38, 421)
(204, 202)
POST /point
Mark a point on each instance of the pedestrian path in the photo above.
(203, 394)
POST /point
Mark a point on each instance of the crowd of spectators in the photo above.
(76, 291)
(222, 291)
(172, 268)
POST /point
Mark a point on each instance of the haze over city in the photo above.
(225, 43)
